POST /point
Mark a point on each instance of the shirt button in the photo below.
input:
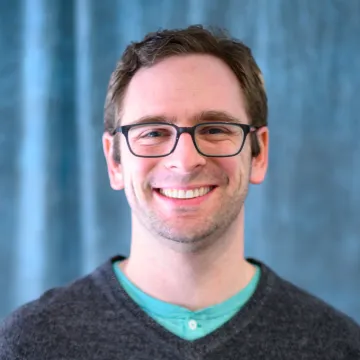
(192, 324)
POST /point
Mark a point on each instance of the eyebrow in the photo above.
(214, 115)
(203, 116)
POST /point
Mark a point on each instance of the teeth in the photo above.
(185, 194)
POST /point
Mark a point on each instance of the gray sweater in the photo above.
(94, 318)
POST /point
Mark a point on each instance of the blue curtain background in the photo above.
(59, 218)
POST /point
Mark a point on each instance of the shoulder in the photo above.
(315, 321)
(47, 320)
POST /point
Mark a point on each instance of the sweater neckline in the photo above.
(105, 278)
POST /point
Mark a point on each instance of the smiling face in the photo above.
(185, 197)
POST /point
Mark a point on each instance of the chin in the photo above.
(187, 247)
(190, 240)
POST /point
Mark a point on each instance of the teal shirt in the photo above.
(188, 325)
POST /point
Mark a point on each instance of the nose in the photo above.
(185, 157)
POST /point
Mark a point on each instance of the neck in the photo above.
(192, 280)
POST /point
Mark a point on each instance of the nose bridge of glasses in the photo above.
(185, 155)
(190, 130)
(185, 130)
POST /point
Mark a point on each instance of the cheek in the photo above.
(236, 168)
(230, 165)
(136, 172)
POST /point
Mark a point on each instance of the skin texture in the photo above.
(187, 254)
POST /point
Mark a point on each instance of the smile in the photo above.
(186, 193)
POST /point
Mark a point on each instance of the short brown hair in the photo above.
(195, 39)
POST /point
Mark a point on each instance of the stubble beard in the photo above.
(207, 232)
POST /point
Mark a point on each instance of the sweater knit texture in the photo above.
(93, 318)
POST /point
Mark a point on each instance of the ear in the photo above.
(114, 168)
(260, 162)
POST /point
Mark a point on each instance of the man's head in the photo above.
(185, 78)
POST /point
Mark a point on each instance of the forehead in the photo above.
(181, 86)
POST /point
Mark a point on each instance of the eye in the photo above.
(214, 130)
(153, 134)
(150, 133)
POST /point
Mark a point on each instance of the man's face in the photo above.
(180, 88)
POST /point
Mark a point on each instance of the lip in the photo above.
(190, 187)
(182, 203)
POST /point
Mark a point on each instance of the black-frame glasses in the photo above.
(211, 139)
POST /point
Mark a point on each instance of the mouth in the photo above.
(185, 194)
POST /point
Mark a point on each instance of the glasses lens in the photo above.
(219, 139)
(152, 139)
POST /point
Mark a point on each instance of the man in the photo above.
(185, 134)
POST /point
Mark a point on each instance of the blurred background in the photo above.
(59, 219)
